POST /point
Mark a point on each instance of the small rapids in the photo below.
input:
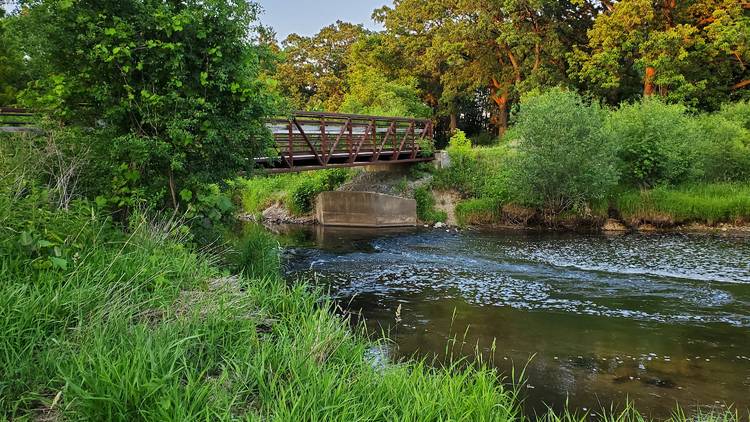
(693, 279)
(596, 320)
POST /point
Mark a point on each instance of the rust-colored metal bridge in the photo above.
(310, 140)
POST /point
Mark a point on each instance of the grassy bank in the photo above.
(99, 324)
(296, 191)
(572, 162)
(704, 203)
(708, 204)
(124, 321)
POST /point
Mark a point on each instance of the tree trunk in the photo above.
(172, 189)
(454, 123)
(648, 82)
(502, 113)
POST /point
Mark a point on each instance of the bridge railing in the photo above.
(15, 120)
(309, 140)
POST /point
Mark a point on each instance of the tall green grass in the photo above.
(702, 203)
(296, 191)
(137, 326)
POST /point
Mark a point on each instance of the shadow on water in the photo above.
(657, 319)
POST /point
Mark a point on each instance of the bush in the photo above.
(426, 211)
(462, 173)
(723, 149)
(655, 143)
(173, 117)
(564, 160)
(302, 199)
(738, 112)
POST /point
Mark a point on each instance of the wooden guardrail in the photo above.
(16, 120)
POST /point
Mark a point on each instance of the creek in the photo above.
(595, 320)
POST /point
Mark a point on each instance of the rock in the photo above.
(277, 214)
(439, 225)
(647, 228)
(612, 225)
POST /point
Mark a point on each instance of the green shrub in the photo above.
(257, 252)
(462, 173)
(655, 143)
(564, 160)
(426, 211)
(722, 149)
(484, 139)
(296, 190)
(303, 194)
(738, 112)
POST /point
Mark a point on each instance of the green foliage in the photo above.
(478, 211)
(737, 112)
(478, 172)
(371, 92)
(303, 194)
(296, 190)
(257, 252)
(563, 161)
(655, 143)
(172, 92)
(13, 75)
(691, 52)
(705, 203)
(313, 73)
(426, 211)
(139, 327)
(722, 149)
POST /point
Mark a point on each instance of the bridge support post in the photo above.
(365, 209)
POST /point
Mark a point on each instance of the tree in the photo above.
(564, 161)
(694, 51)
(13, 75)
(172, 89)
(312, 75)
(500, 47)
(371, 92)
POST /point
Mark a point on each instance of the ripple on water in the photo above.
(681, 279)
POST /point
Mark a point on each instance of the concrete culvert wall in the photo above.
(365, 209)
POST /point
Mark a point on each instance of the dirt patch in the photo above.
(518, 215)
(612, 225)
(397, 183)
(446, 201)
(278, 214)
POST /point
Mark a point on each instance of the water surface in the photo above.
(659, 319)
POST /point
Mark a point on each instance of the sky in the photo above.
(307, 17)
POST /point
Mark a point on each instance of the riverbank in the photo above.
(104, 324)
(443, 198)
(653, 318)
(103, 321)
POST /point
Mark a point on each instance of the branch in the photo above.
(742, 84)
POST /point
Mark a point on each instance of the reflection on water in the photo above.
(658, 319)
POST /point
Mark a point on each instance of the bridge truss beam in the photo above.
(310, 140)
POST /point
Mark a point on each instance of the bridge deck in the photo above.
(314, 140)
(309, 140)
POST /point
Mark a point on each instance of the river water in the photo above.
(657, 319)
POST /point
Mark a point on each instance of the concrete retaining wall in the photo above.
(365, 209)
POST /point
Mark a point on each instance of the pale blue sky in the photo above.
(307, 17)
